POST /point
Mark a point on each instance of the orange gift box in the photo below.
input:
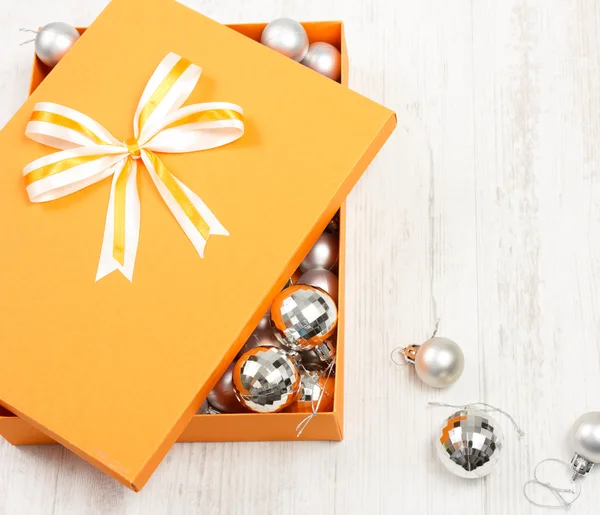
(116, 370)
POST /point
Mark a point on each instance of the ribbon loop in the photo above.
(90, 154)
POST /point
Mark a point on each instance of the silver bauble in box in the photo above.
(324, 59)
(223, 397)
(585, 440)
(316, 392)
(469, 443)
(323, 279)
(266, 380)
(324, 254)
(439, 362)
(303, 317)
(53, 41)
(287, 37)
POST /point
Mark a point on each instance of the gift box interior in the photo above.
(24, 429)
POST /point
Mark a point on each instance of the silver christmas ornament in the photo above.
(585, 440)
(53, 41)
(223, 397)
(324, 254)
(439, 362)
(266, 380)
(323, 279)
(324, 59)
(287, 37)
(469, 443)
(315, 393)
(303, 317)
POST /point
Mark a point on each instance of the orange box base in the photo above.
(246, 426)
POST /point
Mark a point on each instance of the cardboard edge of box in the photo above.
(251, 427)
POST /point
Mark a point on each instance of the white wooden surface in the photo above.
(483, 209)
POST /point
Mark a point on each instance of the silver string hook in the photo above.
(566, 504)
(437, 326)
(482, 406)
(29, 40)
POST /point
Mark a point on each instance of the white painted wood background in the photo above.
(483, 209)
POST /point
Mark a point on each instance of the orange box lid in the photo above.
(114, 370)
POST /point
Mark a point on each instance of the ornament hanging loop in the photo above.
(402, 352)
(29, 40)
(481, 406)
(436, 328)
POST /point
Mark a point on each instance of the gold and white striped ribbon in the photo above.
(89, 154)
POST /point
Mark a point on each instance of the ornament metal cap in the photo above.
(580, 466)
(410, 353)
(325, 351)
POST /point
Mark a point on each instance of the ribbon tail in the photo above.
(122, 227)
(195, 218)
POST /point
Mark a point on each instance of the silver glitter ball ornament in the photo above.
(303, 317)
(223, 397)
(324, 254)
(287, 37)
(323, 279)
(469, 443)
(316, 392)
(439, 362)
(585, 440)
(266, 380)
(324, 59)
(53, 41)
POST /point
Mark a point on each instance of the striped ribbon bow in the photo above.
(90, 154)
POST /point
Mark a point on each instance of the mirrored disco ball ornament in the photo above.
(303, 317)
(287, 37)
(314, 386)
(266, 380)
(470, 443)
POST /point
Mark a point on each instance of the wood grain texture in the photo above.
(483, 210)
